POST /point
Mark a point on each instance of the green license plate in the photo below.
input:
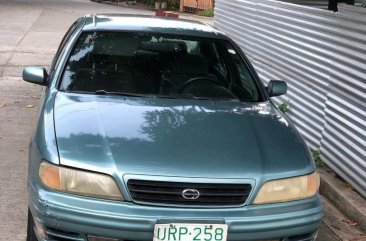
(190, 232)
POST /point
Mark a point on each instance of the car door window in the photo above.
(60, 50)
(244, 76)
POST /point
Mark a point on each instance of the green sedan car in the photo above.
(158, 129)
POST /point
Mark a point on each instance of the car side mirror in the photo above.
(35, 75)
(276, 88)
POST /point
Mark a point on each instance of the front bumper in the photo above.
(81, 216)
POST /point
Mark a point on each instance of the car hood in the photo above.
(189, 138)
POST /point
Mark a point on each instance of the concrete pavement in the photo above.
(30, 32)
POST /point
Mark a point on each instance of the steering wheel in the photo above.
(198, 79)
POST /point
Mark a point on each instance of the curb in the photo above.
(343, 197)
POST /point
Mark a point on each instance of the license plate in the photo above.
(190, 232)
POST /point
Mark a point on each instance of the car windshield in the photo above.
(145, 64)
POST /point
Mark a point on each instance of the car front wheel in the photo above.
(31, 235)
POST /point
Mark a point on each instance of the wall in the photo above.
(196, 5)
(322, 56)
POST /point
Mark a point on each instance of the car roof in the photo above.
(148, 23)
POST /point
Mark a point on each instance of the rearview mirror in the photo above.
(35, 75)
(276, 88)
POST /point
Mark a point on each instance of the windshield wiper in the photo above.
(170, 96)
(183, 96)
(103, 92)
(190, 96)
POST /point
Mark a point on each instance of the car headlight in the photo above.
(289, 189)
(79, 182)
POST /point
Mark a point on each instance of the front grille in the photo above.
(171, 193)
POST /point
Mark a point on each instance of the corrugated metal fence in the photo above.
(322, 56)
(316, 3)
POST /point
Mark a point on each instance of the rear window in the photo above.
(158, 65)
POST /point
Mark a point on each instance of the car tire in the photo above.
(31, 235)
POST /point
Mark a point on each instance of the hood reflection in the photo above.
(164, 137)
